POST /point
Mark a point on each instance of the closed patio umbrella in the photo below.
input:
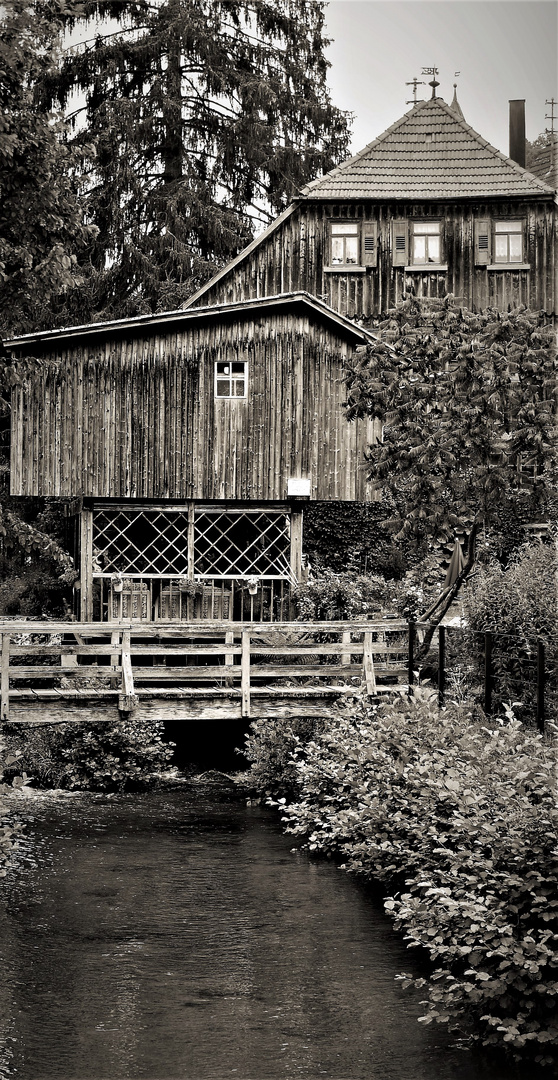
(456, 565)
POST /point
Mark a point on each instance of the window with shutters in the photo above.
(426, 242)
(508, 241)
(231, 379)
(344, 243)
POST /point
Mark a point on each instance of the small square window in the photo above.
(426, 242)
(508, 241)
(344, 243)
(231, 379)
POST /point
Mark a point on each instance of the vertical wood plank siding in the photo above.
(295, 257)
(136, 417)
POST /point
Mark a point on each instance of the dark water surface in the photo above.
(175, 936)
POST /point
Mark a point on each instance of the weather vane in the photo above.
(414, 83)
(433, 71)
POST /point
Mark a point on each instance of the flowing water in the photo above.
(176, 936)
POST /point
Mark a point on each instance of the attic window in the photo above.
(344, 243)
(231, 379)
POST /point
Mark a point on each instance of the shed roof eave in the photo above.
(213, 311)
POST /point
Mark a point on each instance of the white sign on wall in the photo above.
(298, 485)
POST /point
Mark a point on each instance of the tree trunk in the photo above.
(172, 149)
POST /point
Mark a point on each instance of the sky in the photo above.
(503, 49)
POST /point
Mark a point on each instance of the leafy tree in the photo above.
(206, 115)
(468, 403)
(41, 225)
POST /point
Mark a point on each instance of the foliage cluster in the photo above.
(340, 534)
(122, 756)
(517, 603)
(41, 220)
(206, 116)
(329, 595)
(459, 818)
(468, 405)
(36, 570)
(9, 828)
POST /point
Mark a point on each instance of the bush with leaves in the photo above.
(459, 819)
(517, 603)
(270, 746)
(328, 595)
(9, 828)
(121, 756)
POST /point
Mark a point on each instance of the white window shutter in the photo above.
(369, 241)
(482, 241)
(399, 243)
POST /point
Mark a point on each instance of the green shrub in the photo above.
(120, 756)
(344, 595)
(460, 820)
(339, 533)
(518, 604)
(270, 746)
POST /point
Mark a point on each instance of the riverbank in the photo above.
(456, 817)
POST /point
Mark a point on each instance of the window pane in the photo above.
(351, 249)
(223, 388)
(348, 228)
(508, 226)
(515, 248)
(239, 388)
(238, 369)
(336, 250)
(419, 249)
(430, 227)
(434, 249)
(222, 368)
(501, 248)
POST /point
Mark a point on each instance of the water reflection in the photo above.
(176, 937)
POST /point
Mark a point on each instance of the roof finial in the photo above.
(414, 83)
(455, 106)
(433, 71)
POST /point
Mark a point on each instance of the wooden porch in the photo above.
(65, 671)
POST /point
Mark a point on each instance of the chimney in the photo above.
(517, 132)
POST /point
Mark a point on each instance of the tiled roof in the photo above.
(430, 153)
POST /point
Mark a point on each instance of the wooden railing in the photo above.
(127, 661)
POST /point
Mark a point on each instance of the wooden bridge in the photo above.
(66, 671)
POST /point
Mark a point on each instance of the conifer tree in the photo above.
(207, 116)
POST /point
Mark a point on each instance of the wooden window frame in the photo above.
(415, 231)
(356, 225)
(233, 378)
(506, 229)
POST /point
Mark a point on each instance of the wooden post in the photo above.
(488, 673)
(345, 652)
(411, 656)
(245, 673)
(540, 686)
(5, 678)
(296, 543)
(441, 666)
(86, 565)
(114, 640)
(368, 664)
(127, 699)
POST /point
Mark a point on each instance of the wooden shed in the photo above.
(186, 444)
(428, 205)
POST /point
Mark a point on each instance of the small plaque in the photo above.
(297, 486)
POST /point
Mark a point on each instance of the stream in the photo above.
(176, 936)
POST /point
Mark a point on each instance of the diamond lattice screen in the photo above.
(140, 542)
(242, 544)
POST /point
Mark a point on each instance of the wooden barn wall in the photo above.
(137, 418)
(295, 255)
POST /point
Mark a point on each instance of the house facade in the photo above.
(428, 205)
(186, 444)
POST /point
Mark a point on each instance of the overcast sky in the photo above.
(502, 48)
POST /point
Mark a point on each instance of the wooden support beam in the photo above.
(245, 673)
(412, 630)
(345, 652)
(5, 678)
(86, 565)
(296, 543)
(441, 666)
(368, 665)
(127, 700)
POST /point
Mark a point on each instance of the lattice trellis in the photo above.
(225, 544)
(140, 542)
(242, 544)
